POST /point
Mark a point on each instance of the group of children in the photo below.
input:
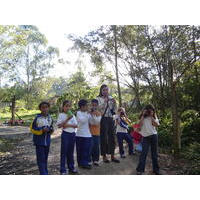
(83, 131)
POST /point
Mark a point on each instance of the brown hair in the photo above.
(101, 88)
(148, 107)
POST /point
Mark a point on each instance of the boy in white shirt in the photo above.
(83, 136)
(67, 121)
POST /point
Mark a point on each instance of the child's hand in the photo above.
(45, 130)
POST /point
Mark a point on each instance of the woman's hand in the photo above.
(113, 100)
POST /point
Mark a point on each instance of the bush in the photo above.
(192, 153)
(190, 127)
(165, 133)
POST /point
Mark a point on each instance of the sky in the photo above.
(57, 37)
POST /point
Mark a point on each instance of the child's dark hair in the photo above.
(101, 88)
(95, 101)
(64, 103)
(43, 103)
(148, 107)
(82, 102)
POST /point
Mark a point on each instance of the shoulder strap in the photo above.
(105, 110)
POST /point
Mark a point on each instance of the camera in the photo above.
(147, 113)
(122, 113)
(93, 109)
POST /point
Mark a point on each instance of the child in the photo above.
(148, 123)
(122, 132)
(42, 128)
(83, 136)
(137, 138)
(95, 119)
(67, 121)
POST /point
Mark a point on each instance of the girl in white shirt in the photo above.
(83, 136)
(148, 123)
(67, 121)
(122, 132)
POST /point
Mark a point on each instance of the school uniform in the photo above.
(95, 131)
(122, 134)
(83, 139)
(42, 140)
(68, 138)
(150, 138)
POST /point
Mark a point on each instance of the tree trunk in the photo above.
(13, 110)
(116, 69)
(176, 122)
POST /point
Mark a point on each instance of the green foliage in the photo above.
(77, 88)
(192, 153)
(191, 127)
(165, 131)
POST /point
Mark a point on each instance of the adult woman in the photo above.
(107, 106)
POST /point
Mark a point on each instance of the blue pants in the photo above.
(83, 149)
(95, 147)
(152, 141)
(42, 158)
(67, 151)
(124, 136)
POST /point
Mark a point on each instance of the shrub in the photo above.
(190, 127)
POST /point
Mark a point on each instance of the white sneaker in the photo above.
(64, 173)
(96, 163)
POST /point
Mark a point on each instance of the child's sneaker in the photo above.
(139, 173)
(74, 171)
(123, 156)
(64, 173)
(131, 154)
(86, 167)
(96, 163)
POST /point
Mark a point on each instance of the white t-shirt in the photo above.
(83, 124)
(94, 120)
(62, 117)
(147, 128)
(119, 128)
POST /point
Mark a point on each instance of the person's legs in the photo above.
(128, 139)
(95, 148)
(104, 136)
(41, 160)
(63, 154)
(46, 158)
(111, 136)
(143, 155)
(154, 153)
(120, 137)
(78, 149)
(70, 151)
(86, 151)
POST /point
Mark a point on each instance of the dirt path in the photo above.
(20, 159)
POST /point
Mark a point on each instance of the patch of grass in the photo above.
(26, 115)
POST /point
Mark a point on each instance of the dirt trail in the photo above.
(21, 160)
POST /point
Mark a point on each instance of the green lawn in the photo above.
(26, 115)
